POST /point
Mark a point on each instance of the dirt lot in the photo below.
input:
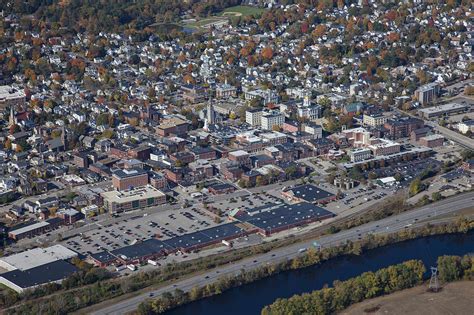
(455, 298)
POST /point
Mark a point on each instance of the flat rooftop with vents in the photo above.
(308, 193)
(280, 217)
(36, 257)
(53, 272)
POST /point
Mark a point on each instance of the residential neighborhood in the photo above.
(190, 130)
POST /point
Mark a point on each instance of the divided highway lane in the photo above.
(387, 225)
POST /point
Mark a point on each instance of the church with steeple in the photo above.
(12, 120)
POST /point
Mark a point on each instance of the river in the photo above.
(251, 298)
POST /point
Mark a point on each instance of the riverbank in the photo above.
(454, 298)
(371, 284)
(309, 272)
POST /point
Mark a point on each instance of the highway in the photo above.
(453, 135)
(391, 224)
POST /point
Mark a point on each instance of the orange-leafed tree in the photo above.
(267, 53)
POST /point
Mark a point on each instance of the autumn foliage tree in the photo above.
(319, 31)
(393, 37)
(267, 53)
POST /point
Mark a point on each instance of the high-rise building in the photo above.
(427, 93)
(211, 114)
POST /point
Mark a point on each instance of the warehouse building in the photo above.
(36, 257)
(35, 229)
(280, 217)
(308, 193)
(154, 248)
(53, 272)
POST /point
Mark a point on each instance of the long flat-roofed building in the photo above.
(29, 230)
(279, 217)
(308, 193)
(36, 257)
(442, 110)
(145, 196)
(21, 280)
(154, 248)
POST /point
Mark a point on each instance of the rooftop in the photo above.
(442, 108)
(8, 92)
(239, 153)
(309, 193)
(125, 173)
(284, 215)
(30, 227)
(138, 193)
(36, 257)
(52, 272)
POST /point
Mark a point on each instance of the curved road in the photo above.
(391, 224)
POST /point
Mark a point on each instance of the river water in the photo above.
(251, 298)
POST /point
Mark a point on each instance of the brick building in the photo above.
(432, 141)
(403, 127)
(128, 179)
(172, 127)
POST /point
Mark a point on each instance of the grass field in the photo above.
(454, 298)
(242, 10)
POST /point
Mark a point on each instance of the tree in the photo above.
(242, 183)
(291, 172)
(14, 129)
(436, 196)
(107, 134)
(267, 53)
(449, 268)
(415, 187)
(319, 31)
(467, 154)
(8, 144)
(102, 119)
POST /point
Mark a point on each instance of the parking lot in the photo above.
(407, 170)
(246, 202)
(162, 225)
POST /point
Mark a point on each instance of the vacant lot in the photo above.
(242, 10)
(455, 298)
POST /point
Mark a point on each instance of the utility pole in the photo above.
(434, 283)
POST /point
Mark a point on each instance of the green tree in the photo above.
(436, 196)
(449, 268)
(415, 187)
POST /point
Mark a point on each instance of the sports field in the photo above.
(242, 10)
(223, 17)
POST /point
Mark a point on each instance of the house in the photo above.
(353, 108)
